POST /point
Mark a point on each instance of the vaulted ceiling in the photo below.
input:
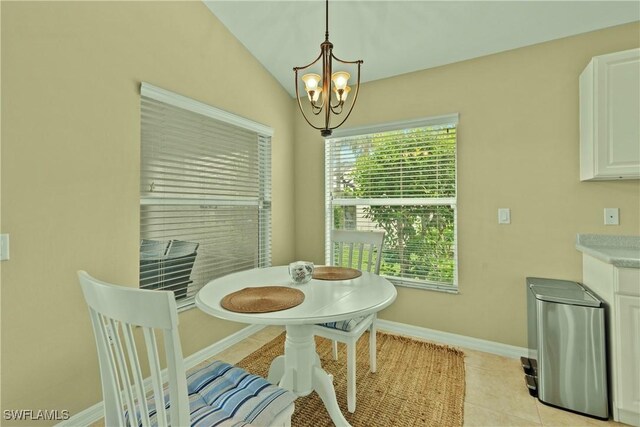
(397, 37)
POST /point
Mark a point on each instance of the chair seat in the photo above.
(344, 325)
(224, 395)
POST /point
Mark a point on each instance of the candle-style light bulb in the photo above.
(311, 81)
(340, 79)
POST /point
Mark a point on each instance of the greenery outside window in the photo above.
(205, 193)
(400, 178)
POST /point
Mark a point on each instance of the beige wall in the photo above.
(517, 148)
(70, 170)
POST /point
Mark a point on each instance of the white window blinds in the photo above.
(400, 178)
(205, 193)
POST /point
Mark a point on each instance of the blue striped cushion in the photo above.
(240, 394)
(344, 325)
(227, 396)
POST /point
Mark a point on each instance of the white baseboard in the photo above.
(452, 339)
(96, 412)
(628, 417)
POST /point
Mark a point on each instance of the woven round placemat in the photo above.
(263, 299)
(335, 273)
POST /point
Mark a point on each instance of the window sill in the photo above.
(186, 304)
(423, 285)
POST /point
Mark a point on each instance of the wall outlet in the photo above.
(611, 216)
(4, 247)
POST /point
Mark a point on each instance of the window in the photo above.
(400, 178)
(205, 193)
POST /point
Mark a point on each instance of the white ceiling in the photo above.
(397, 37)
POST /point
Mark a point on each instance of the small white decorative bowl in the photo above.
(301, 272)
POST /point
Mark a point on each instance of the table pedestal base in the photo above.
(299, 370)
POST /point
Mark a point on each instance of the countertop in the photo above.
(621, 251)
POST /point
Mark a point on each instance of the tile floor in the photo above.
(495, 392)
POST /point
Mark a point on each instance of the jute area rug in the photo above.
(416, 383)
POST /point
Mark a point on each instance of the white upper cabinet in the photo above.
(610, 117)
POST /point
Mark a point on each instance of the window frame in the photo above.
(330, 202)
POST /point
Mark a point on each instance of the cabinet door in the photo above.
(609, 111)
(619, 109)
(629, 353)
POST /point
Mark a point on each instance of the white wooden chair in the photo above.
(361, 250)
(217, 394)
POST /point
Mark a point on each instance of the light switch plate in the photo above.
(504, 216)
(611, 216)
(4, 247)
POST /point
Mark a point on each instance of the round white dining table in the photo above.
(299, 369)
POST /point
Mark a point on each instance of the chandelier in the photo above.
(319, 87)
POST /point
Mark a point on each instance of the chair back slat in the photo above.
(124, 380)
(370, 256)
(108, 371)
(156, 376)
(115, 311)
(177, 380)
(360, 253)
(136, 373)
(360, 243)
(350, 264)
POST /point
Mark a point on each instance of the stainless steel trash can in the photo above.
(570, 345)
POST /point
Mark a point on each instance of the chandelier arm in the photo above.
(334, 108)
(315, 107)
(308, 65)
(359, 61)
(305, 117)
(355, 98)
